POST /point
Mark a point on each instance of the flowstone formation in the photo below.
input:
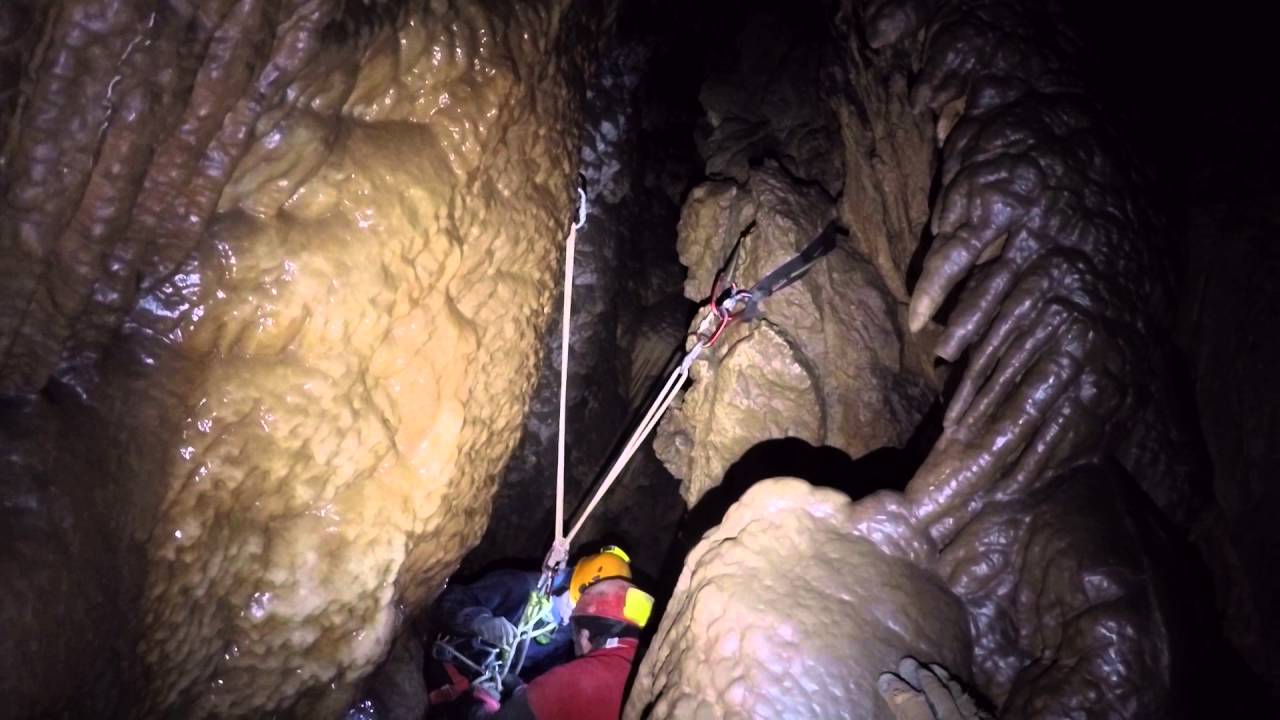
(759, 624)
(1054, 295)
(264, 257)
(825, 364)
(278, 274)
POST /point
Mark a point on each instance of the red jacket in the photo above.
(589, 688)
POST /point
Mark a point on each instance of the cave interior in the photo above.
(280, 353)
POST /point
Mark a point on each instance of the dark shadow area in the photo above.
(1191, 89)
(915, 266)
(884, 469)
(1206, 663)
(823, 466)
(887, 468)
(1177, 107)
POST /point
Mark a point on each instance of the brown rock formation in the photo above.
(1059, 296)
(273, 246)
(277, 274)
(794, 605)
(825, 365)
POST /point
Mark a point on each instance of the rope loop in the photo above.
(582, 209)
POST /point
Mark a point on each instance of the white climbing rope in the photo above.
(559, 552)
(656, 410)
(736, 304)
(707, 331)
(537, 617)
(570, 243)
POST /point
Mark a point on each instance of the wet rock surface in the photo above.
(824, 365)
(276, 269)
(279, 284)
(794, 605)
(889, 161)
(628, 320)
(1056, 287)
(827, 363)
(1055, 301)
(1069, 595)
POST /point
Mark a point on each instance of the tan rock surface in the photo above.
(334, 331)
(824, 365)
(341, 447)
(792, 608)
(293, 258)
(1061, 579)
(888, 156)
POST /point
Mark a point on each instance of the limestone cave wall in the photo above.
(279, 351)
(265, 263)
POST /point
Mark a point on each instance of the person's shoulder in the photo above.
(559, 672)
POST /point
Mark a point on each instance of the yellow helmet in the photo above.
(610, 562)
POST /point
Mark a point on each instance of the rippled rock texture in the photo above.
(824, 365)
(773, 615)
(277, 278)
(828, 364)
(293, 258)
(1049, 282)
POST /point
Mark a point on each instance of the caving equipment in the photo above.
(496, 665)
(560, 550)
(501, 662)
(610, 562)
(727, 306)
